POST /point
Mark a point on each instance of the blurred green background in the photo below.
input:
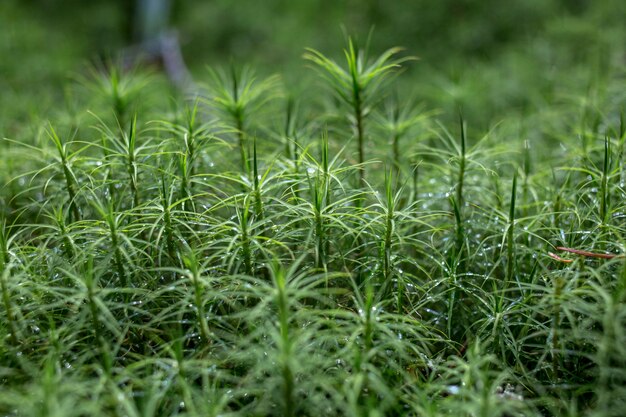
(487, 57)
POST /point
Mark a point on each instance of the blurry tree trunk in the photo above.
(150, 38)
(152, 18)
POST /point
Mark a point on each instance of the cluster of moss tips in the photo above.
(241, 252)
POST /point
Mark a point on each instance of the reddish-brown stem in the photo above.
(587, 253)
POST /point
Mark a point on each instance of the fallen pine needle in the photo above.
(586, 253)
(558, 258)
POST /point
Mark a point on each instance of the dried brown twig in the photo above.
(582, 253)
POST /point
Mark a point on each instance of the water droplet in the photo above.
(453, 389)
